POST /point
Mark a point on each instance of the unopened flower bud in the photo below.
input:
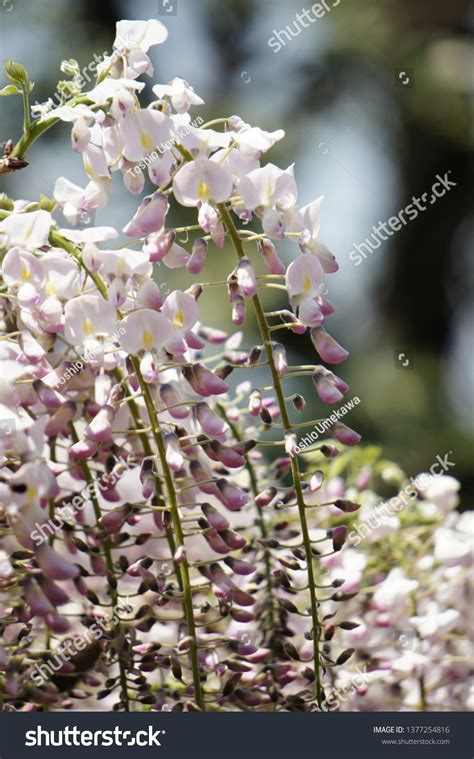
(265, 415)
(246, 278)
(198, 256)
(347, 506)
(254, 355)
(266, 496)
(329, 350)
(180, 555)
(272, 262)
(342, 658)
(298, 402)
(338, 535)
(291, 444)
(158, 245)
(238, 310)
(295, 325)
(195, 291)
(329, 451)
(255, 402)
(344, 434)
(280, 359)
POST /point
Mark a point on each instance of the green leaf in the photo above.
(10, 89)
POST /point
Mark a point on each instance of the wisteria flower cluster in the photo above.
(407, 562)
(161, 549)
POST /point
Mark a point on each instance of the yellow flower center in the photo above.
(121, 266)
(146, 141)
(178, 320)
(203, 191)
(147, 340)
(31, 493)
(87, 327)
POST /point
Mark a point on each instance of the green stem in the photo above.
(266, 337)
(184, 566)
(31, 132)
(29, 136)
(26, 110)
(110, 568)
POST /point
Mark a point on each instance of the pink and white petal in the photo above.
(149, 217)
(200, 181)
(181, 309)
(88, 316)
(304, 277)
(176, 257)
(139, 34)
(145, 330)
(29, 230)
(142, 131)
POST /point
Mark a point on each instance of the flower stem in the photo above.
(265, 333)
(184, 566)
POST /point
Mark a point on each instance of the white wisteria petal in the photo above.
(143, 132)
(202, 140)
(20, 267)
(181, 94)
(95, 162)
(200, 181)
(29, 230)
(145, 330)
(312, 216)
(452, 547)
(88, 316)
(254, 141)
(71, 112)
(77, 203)
(176, 257)
(181, 309)
(124, 263)
(394, 590)
(238, 164)
(91, 234)
(267, 186)
(304, 277)
(62, 275)
(435, 621)
(139, 34)
(109, 87)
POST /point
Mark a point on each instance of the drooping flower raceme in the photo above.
(135, 483)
